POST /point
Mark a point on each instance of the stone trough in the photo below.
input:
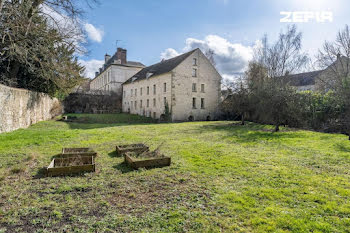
(137, 148)
(135, 161)
(71, 165)
(74, 152)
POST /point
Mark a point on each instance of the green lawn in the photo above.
(224, 177)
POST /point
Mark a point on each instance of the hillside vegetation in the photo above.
(223, 177)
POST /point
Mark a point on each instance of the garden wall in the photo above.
(19, 108)
(92, 103)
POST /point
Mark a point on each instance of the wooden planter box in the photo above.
(122, 149)
(137, 163)
(74, 152)
(72, 165)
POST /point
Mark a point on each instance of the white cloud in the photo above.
(169, 53)
(94, 33)
(230, 58)
(91, 67)
(68, 27)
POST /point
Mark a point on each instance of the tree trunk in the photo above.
(1, 5)
(277, 128)
(14, 70)
(243, 119)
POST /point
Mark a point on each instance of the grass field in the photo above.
(224, 177)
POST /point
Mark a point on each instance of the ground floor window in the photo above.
(193, 103)
(154, 115)
(202, 103)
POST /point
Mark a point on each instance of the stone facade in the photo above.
(20, 108)
(114, 72)
(190, 95)
(139, 97)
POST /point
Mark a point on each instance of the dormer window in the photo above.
(133, 79)
(149, 74)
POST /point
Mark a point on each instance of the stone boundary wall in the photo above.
(20, 108)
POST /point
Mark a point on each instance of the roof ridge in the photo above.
(173, 58)
(160, 67)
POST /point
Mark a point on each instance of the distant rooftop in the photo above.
(303, 79)
(119, 59)
(115, 58)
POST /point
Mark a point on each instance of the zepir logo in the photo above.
(306, 16)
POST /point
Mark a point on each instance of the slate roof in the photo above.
(160, 68)
(134, 63)
(128, 63)
(303, 79)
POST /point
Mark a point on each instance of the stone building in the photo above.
(115, 71)
(320, 80)
(189, 84)
(304, 81)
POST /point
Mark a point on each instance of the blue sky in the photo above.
(155, 29)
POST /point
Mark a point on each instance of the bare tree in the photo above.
(210, 55)
(284, 56)
(335, 58)
(268, 75)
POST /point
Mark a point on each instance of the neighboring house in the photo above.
(334, 74)
(188, 83)
(304, 81)
(116, 70)
(321, 80)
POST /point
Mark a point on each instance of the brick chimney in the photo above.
(121, 55)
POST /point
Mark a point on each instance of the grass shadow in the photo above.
(92, 121)
(114, 154)
(41, 173)
(123, 167)
(248, 133)
(342, 148)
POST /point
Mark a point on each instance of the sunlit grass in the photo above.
(224, 177)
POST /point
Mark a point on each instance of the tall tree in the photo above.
(268, 75)
(39, 42)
